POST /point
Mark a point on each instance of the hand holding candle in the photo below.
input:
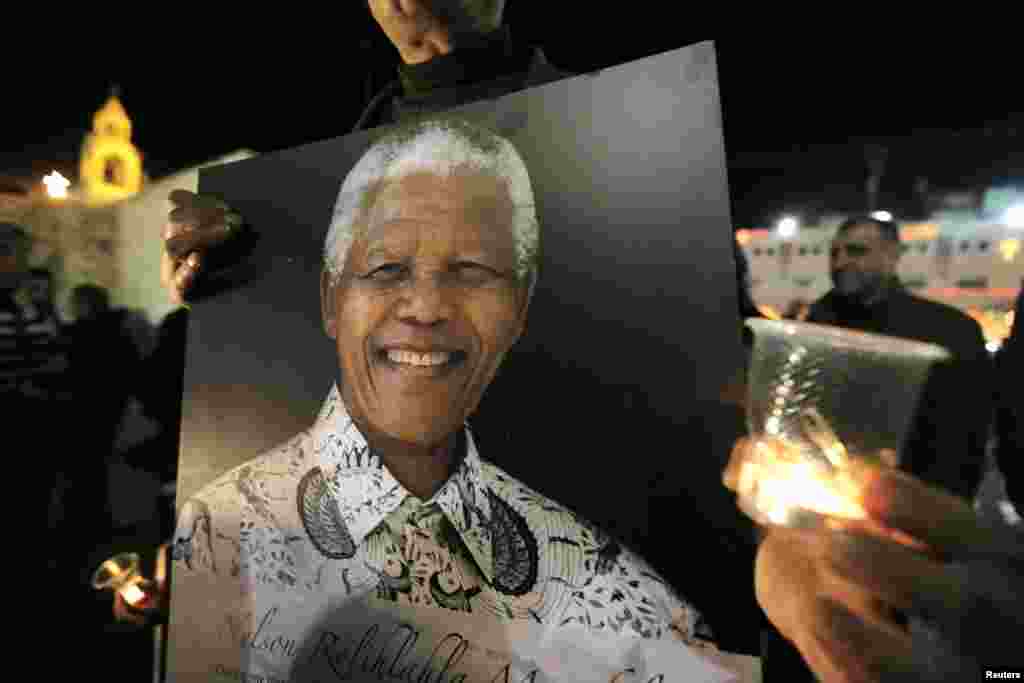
(833, 589)
(827, 411)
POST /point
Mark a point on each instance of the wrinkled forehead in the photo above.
(471, 202)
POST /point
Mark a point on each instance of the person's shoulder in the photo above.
(822, 307)
(933, 307)
(282, 460)
(212, 521)
(952, 319)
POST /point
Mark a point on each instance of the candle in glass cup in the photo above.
(121, 574)
(821, 397)
(775, 487)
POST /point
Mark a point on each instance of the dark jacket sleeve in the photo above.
(948, 445)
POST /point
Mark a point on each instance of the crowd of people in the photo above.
(67, 382)
(814, 595)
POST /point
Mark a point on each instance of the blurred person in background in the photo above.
(160, 391)
(30, 343)
(39, 284)
(1010, 409)
(32, 358)
(104, 364)
(947, 443)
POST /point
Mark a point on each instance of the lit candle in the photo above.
(776, 485)
(132, 594)
(778, 489)
(121, 574)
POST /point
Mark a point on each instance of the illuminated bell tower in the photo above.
(111, 167)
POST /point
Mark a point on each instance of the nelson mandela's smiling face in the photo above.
(428, 303)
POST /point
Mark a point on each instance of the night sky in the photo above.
(798, 110)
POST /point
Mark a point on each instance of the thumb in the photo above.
(741, 452)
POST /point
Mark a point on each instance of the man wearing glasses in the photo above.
(946, 446)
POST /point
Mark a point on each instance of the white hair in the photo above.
(440, 147)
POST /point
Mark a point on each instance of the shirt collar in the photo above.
(366, 492)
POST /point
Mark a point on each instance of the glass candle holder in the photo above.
(824, 396)
(121, 575)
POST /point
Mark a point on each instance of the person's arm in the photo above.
(959, 417)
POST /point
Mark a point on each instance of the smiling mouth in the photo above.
(423, 360)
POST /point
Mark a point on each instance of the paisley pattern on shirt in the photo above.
(322, 514)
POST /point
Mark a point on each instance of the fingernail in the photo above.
(193, 260)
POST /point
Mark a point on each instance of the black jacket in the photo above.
(493, 67)
(1010, 408)
(946, 446)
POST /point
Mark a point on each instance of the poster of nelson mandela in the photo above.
(415, 437)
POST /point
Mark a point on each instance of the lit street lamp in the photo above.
(56, 185)
(788, 226)
(1014, 216)
(882, 216)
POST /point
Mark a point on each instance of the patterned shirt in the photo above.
(321, 519)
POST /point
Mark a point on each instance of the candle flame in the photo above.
(132, 594)
(780, 488)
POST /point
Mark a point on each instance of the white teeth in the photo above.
(413, 358)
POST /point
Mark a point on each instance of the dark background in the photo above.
(802, 94)
(608, 402)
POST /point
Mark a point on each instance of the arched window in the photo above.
(113, 171)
